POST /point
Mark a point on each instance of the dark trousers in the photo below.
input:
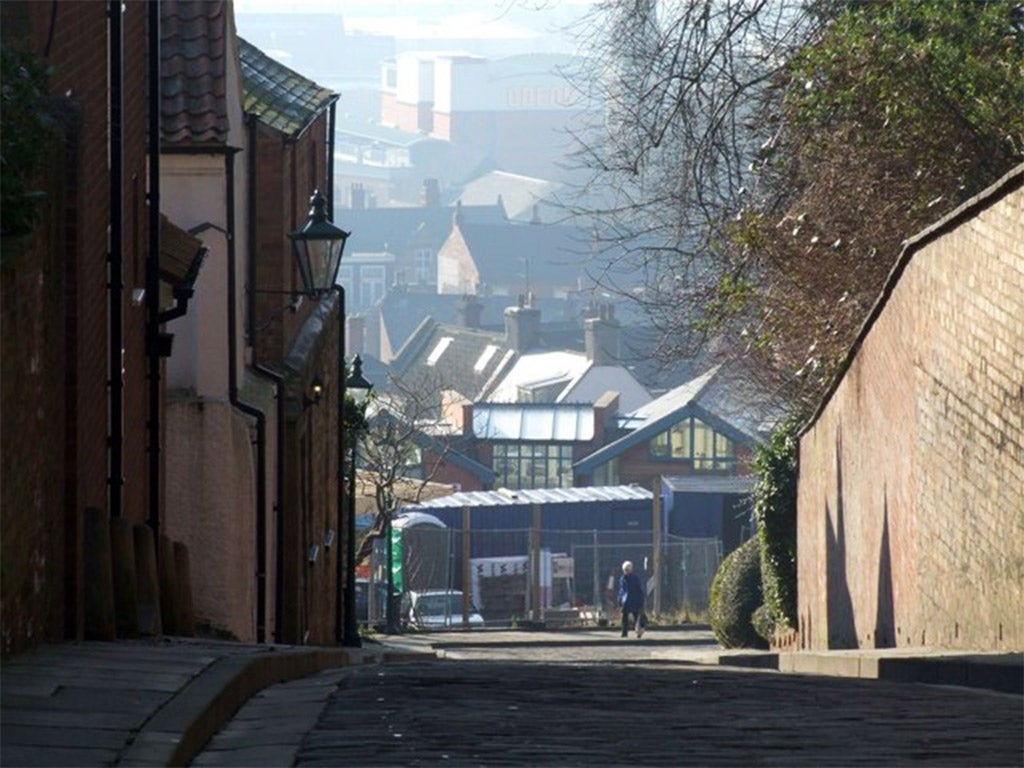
(631, 618)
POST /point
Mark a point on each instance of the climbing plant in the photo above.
(775, 464)
(26, 130)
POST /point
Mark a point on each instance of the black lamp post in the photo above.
(360, 389)
(318, 246)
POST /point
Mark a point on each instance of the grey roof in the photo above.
(649, 420)
(402, 314)
(537, 496)
(517, 256)
(277, 96)
(396, 229)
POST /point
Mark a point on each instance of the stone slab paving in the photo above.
(637, 713)
(269, 728)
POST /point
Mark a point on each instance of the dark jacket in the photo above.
(631, 593)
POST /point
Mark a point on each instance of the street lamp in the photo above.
(360, 389)
(318, 246)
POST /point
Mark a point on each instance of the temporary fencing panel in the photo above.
(524, 573)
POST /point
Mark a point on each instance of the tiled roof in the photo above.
(401, 313)
(193, 50)
(278, 96)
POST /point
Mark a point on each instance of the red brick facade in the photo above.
(55, 322)
(911, 489)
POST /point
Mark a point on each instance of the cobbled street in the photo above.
(617, 704)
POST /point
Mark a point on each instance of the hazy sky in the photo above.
(425, 19)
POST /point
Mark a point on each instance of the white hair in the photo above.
(627, 566)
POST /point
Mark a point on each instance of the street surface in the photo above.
(618, 704)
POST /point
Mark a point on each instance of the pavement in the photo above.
(162, 701)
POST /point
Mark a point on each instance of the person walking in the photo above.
(631, 600)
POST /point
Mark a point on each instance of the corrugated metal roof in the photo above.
(556, 422)
(279, 97)
(709, 483)
(537, 496)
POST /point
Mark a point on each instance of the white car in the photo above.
(439, 609)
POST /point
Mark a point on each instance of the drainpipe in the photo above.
(246, 408)
(331, 117)
(153, 272)
(115, 258)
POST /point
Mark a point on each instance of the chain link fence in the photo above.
(548, 576)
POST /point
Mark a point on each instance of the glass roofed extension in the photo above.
(533, 444)
(691, 440)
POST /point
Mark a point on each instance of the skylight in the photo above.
(485, 358)
(442, 345)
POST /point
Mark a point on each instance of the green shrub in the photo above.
(775, 511)
(735, 595)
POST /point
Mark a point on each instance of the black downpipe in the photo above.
(153, 271)
(115, 266)
(246, 408)
(331, 118)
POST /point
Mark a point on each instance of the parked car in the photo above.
(437, 609)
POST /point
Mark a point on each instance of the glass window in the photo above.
(693, 441)
(425, 266)
(524, 465)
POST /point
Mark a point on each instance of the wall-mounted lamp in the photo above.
(316, 391)
(328, 538)
(314, 552)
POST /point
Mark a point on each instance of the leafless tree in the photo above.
(405, 445)
(689, 103)
(762, 223)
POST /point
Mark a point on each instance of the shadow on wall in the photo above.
(885, 618)
(842, 630)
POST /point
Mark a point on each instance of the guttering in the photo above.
(115, 258)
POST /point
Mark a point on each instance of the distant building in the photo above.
(510, 113)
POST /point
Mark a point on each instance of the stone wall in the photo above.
(911, 490)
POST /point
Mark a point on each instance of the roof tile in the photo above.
(193, 50)
(277, 96)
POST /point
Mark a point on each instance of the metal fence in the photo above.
(551, 576)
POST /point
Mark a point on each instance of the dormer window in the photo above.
(693, 441)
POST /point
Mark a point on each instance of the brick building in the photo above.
(71, 443)
(911, 487)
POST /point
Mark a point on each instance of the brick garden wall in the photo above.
(911, 489)
(55, 322)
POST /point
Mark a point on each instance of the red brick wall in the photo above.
(56, 316)
(136, 247)
(287, 173)
(911, 490)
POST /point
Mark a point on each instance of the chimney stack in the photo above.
(601, 336)
(431, 193)
(522, 326)
(468, 311)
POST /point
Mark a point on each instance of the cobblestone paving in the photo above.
(506, 712)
